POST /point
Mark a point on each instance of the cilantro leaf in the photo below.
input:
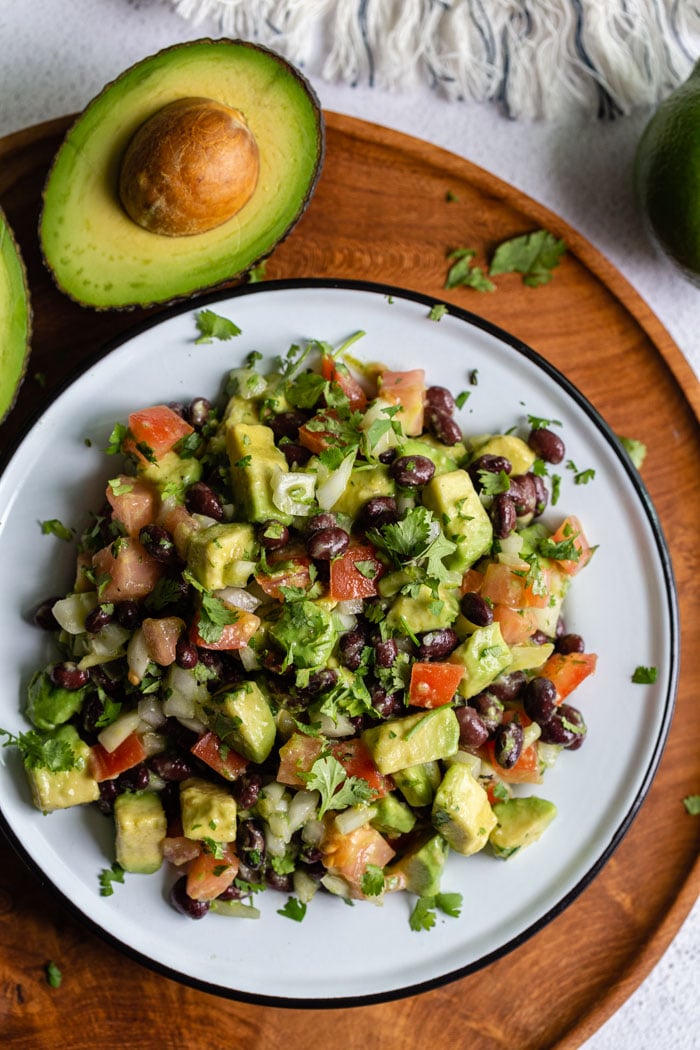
(294, 909)
(636, 450)
(213, 326)
(108, 876)
(449, 903)
(423, 915)
(463, 274)
(437, 312)
(54, 976)
(51, 751)
(54, 527)
(328, 776)
(213, 614)
(372, 881)
(644, 675)
(692, 804)
(534, 255)
(116, 439)
(493, 483)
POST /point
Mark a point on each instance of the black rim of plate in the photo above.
(671, 610)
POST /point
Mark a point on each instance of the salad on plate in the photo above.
(316, 640)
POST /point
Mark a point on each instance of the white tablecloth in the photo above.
(56, 56)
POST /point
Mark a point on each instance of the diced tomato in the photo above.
(125, 570)
(567, 671)
(571, 529)
(233, 635)
(161, 635)
(156, 430)
(472, 581)
(509, 585)
(525, 771)
(297, 756)
(320, 432)
(517, 625)
(291, 569)
(219, 756)
(406, 389)
(134, 503)
(106, 765)
(356, 760)
(180, 524)
(348, 855)
(336, 372)
(355, 573)
(434, 684)
(209, 875)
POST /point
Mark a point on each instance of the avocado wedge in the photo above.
(99, 254)
(15, 318)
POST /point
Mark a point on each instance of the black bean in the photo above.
(443, 427)
(476, 609)
(321, 521)
(273, 535)
(44, 617)
(351, 646)
(98, 618)
(569, 643)
(491, 464)
(283, 883)
(539, 638)
(542, 494)
(473, 731)
(232, 893)
(198, 412)
(108, 793)
(172, 767)
(320, 681)
(385, 704)
(387, 457)
(68, 675)
(507, 687)
(326, 544)
(286, 425)
(439, 399)
(503, 515)
(212, 661)
(435, 645)
(381, 510)
(565, 727)
(296, 455)
(111, 686)
(490, 708)
(178, 407)
(251, 842)
(159, 544)
(135, 779)
(540, 699)
(186, 653)
(200, 498)
(412, 471)
(523, 492)
(247, 789)
(385, 653)
(546, 444)
(186, 905)
(127, 614)
(509, 744)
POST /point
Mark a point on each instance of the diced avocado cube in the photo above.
(223, 555)
(529, 656)
(61, 789)
(420, 869)
(418, 783)
(141, 826)
(455, 503)
(484, 656)
(424, 612)
(514, 449)
(207, 810)
(50, 705)
(444, 457)
(362, 486)
(243, 719)
(393, 817)
(408, 741)
(240, 410)
(256, 463)
(521, 821)
(170, 474)
(461, 811)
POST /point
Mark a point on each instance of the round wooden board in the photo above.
(389, 207)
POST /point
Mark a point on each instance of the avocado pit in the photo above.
(189, 168)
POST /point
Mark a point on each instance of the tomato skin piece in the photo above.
(219, 757)
(356, 760)
(315, 438)
(299, 753)
(571, 529)
(336, 372)
(433, 684)
(347, 581)
(567, 670)
(158, 427)
(233, 635)
(106, 765)
(406, 389)
(472, 581)
(208, 876)
(288, 569)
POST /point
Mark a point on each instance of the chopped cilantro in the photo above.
(54, 977)
(116, 439)
(54, 527)
(463, 274)
(692, 804)
(294, 909)
(423, 915)
(38, 751)
(213, 326)
(644, 675)
(328, 776)
(257, 273)
(213, 614)
(372, 881)
(534, 255)
(493, 483)
(120, 487)
(462, 398)
(636, 450)
(437, 312)
(108, 876)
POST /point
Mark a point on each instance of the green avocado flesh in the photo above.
(15, 319)
(99, 256)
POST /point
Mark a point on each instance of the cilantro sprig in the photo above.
(211, 326)
(337, 790)
(423, 915)
(43, 751)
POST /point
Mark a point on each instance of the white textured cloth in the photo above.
(536, 58)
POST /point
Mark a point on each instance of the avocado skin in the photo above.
(15, 319)
(123, 279)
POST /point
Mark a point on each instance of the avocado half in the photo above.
(101, 257)
(15, 319)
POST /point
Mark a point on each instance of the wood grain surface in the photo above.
(381, 211)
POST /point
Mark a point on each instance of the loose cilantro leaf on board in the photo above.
(54, 527)
(636, 450)
(54, 977)
(328, 776)
(43, 752)
(372, 882)
(534, 255)
(294, 909)
(463, 274)
(108, 876)
(213, 326)
(644, 675)
(692, 804)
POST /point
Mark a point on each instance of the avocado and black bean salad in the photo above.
(314, 642)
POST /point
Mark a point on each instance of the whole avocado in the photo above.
(15, 318)
(181, 175)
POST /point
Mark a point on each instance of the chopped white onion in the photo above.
(349, 820)
(293, 492)
(154, 744)
(137, 656)
(179, 706)
(510, 545)
(194, 724)
(239, 598)
(304, 886)
(344, 621)
(248, 658)
(531, 733)
(150, 710)
(335, 727)
(351, 606)
(313, 832)
(123, 726)
(336, 885)
(70, 612)
(301, 808)
(332, 488)
(465, 758)
(379, 411)
(109, 641)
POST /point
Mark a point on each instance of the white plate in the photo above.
(623, 604)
